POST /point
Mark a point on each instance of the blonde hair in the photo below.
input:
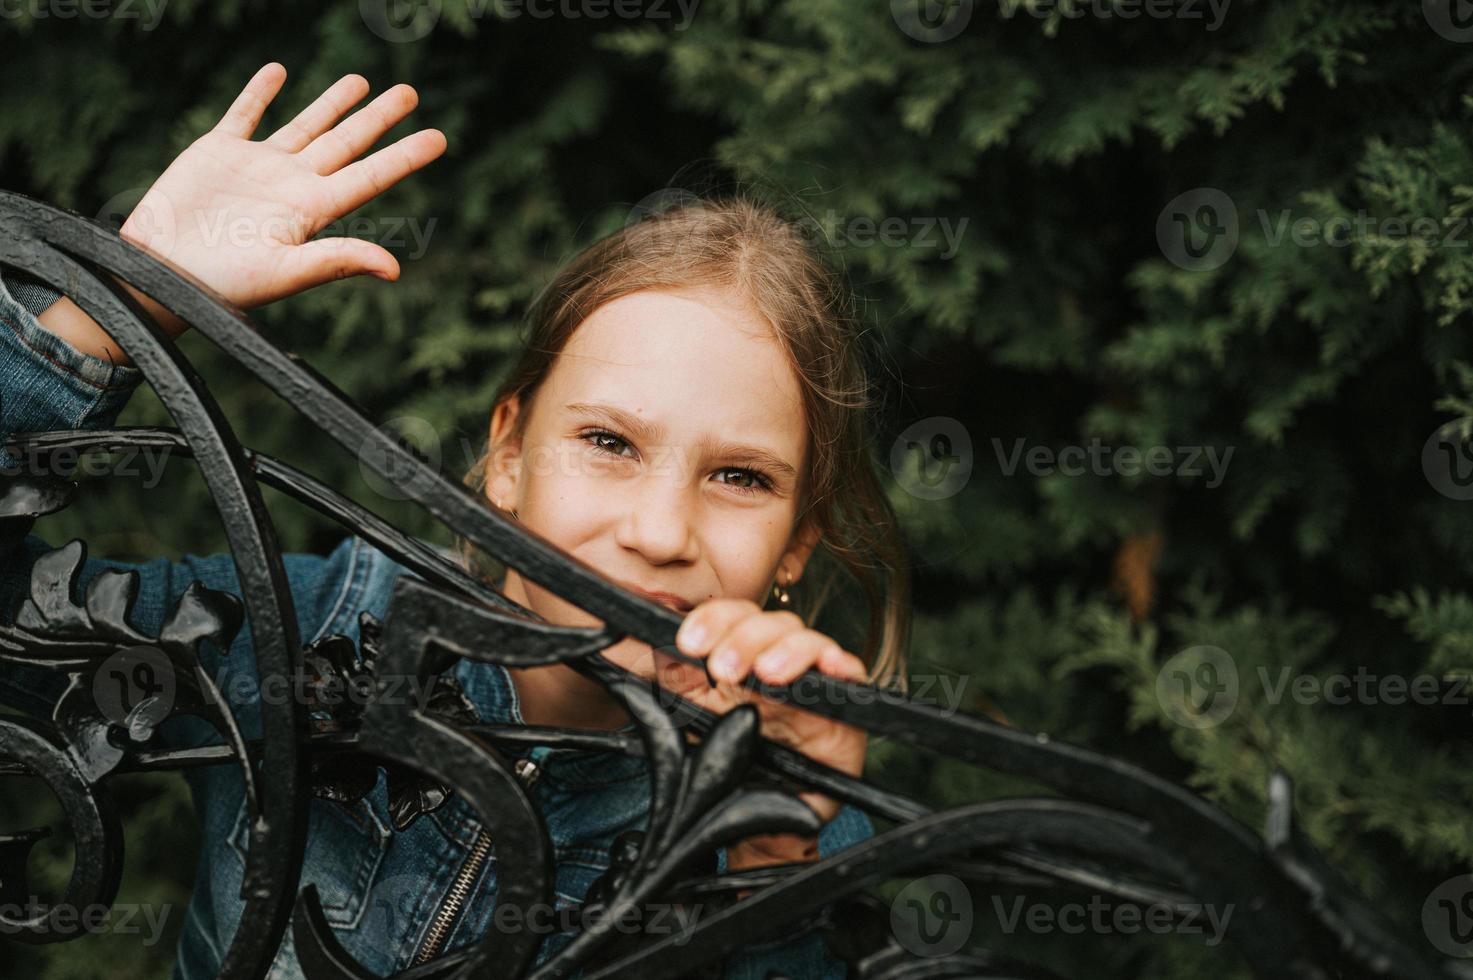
(738, 243)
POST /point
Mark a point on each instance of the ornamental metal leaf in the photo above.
(338, 683)
(53, 629)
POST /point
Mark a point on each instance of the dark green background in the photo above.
(1061, 319)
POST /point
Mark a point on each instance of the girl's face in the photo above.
(666, 448)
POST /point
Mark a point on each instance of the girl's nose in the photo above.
(657, 520)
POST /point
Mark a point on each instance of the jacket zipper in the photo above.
(460, 888)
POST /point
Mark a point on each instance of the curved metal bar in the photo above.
(98, 867)
(32, 237)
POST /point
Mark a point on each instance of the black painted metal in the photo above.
(1116, 830)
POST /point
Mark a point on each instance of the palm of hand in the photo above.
(239, 215)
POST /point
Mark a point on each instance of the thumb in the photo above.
(327, 259)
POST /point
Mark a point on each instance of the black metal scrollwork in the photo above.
(1114, 829)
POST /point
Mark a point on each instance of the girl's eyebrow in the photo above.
(651, 432)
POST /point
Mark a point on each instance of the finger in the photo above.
(835, 661)
(358, 183)
(327, 259)
(245, 112)
(789, 657)
(322, 114)
(345, 142)
(703, 625)
(741, 644)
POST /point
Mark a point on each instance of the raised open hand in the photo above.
(238, 214)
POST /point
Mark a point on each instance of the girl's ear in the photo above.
(805, 539)
(504, 467)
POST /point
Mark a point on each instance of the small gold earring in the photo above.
(513, 513)
(780, 593)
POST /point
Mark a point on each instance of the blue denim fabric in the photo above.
(29, 291)
(380, 888)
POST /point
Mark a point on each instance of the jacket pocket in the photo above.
(345, 850)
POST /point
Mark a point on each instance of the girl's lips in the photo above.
(669, 599)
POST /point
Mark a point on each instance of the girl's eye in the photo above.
(607, 442)
(593, 438)
(759, 484)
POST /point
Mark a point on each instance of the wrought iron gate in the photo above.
(1115, 829)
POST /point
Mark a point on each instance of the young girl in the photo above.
(687, 417)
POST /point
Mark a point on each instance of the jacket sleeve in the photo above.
(46, 384)
(29, 291)
(805, 958)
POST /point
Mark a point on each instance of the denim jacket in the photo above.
(382, 889)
